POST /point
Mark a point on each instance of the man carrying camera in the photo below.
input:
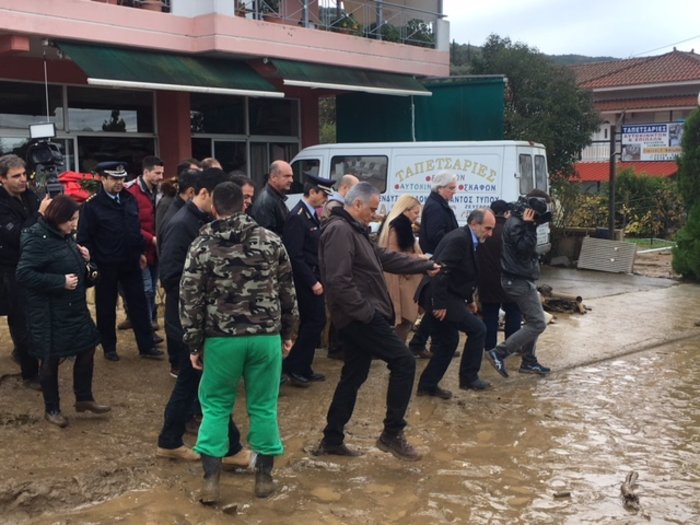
(19, 209)
(521, 268)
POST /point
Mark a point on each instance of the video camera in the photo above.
(44, 158)
(538, 204)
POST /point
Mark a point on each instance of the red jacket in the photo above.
(147, 217)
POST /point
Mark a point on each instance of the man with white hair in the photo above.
(436, 220)
(352, 270)
(337, 198)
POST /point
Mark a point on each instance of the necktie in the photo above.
(116, 199)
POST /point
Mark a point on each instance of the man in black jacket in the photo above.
(109, 227)
(352, 268)
(269, 209)
(19, 209)
(437, 220)
(448, 297)
(521, 268)
(177, 236)
(302, 232)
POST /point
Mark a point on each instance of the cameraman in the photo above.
(19, 209)
(521, 268)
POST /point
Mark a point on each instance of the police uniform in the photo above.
(109, 227)
(301, 235)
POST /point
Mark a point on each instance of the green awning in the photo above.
(321, 76)
(136, 68)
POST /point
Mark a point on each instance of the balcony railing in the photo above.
(376, 19)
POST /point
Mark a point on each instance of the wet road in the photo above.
(491, 458)
(624, 396)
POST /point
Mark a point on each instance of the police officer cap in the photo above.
(321, 183)
(113, 168)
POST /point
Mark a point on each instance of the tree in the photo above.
(686, 254)
(543, 103)
(689, 161)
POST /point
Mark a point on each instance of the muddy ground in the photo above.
(482, 449)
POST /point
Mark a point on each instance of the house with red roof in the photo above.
(647, 101)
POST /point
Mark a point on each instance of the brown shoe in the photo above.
(244, 459)
(56, 418)
(423, 353)
(182, 453)
(398, 446)
(91, 406)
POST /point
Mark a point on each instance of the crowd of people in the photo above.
(250, 287)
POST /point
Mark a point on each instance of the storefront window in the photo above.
(109, 110)
(24, 104)
(129, 150)
(217, 114)
(274, 117)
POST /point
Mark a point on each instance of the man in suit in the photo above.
(301, 235)
(448, 298)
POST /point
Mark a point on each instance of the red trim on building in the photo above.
(600, 171)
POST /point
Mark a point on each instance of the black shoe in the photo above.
(112, 356)
(298, 381)
(398, 446)
(477, 384)
(497, 362)
(152, 353)
(174, 372)
(435, 392)
(314, 377)
(157, 339)
(324, 449)
(534, 368)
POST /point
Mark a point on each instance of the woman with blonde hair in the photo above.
(397, 235)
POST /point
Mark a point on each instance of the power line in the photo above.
(664, 47)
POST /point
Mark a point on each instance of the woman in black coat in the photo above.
(52, 270)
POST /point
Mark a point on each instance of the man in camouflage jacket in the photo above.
(238, 308)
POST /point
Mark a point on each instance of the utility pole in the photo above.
(613, 175)
(612, 183)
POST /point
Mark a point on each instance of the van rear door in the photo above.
(532, 173)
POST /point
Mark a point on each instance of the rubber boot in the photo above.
(210, 486)
(264, 485)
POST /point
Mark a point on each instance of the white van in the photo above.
(486, 171)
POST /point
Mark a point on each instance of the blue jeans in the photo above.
(524, 294)
(489, 313)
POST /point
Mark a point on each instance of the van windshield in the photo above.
(525, 165)
(370, 169)
(301, 168)
(541, 172)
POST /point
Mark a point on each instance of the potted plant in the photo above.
(345, 23)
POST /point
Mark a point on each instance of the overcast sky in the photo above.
(618, 28)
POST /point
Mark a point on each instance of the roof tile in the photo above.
(676, 66)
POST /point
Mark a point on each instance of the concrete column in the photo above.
(308, 107)
(174, 133)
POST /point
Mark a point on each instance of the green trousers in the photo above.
(258, 360)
